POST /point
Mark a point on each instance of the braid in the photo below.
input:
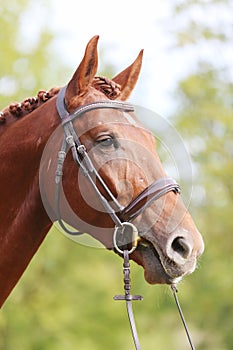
(27, 106)
(111, 89)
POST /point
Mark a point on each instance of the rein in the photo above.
(128, 299)
(125, 233)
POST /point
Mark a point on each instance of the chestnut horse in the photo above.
(124, 153)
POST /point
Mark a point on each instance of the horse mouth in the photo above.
(157, 268)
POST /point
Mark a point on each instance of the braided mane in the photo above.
(111, 89)
(19, 110)
(108, 87)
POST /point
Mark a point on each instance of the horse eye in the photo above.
(105, 141)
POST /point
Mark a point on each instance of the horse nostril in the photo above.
(182, 247)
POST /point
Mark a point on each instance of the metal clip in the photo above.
(70, 140)
(81, 149)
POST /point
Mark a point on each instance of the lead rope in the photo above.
(128, 299)
(175, 291)
(121, 238)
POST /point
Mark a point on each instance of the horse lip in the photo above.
(144, 244)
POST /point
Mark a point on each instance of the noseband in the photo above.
(125, 232)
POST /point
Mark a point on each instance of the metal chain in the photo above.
(128, 299)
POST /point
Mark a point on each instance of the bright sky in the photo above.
(125, 27)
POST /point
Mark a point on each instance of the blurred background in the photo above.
(65, 298)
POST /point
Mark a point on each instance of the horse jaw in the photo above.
(149, 259)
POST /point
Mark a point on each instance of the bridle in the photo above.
(121, 216)
(125, 231)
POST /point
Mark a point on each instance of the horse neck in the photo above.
(24, 222)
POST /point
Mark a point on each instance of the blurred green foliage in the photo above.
(205, 120)
(65, 298)
(27, 61)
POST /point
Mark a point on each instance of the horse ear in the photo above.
(84, 74)
(128, 77)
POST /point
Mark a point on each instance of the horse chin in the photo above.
(154, 272)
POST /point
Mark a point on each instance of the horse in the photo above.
(108, 170)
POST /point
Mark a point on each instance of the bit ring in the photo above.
(121, 237)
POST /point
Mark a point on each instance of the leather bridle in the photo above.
(125, 232)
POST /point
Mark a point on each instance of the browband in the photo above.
(66, 117)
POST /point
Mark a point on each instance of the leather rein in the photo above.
(125, 233)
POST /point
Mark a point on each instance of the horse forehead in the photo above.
(106, 115)
(110, 115)
(122, 123)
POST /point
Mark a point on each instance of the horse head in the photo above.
(123, 153)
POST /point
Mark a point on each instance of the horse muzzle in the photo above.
(168, 263)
